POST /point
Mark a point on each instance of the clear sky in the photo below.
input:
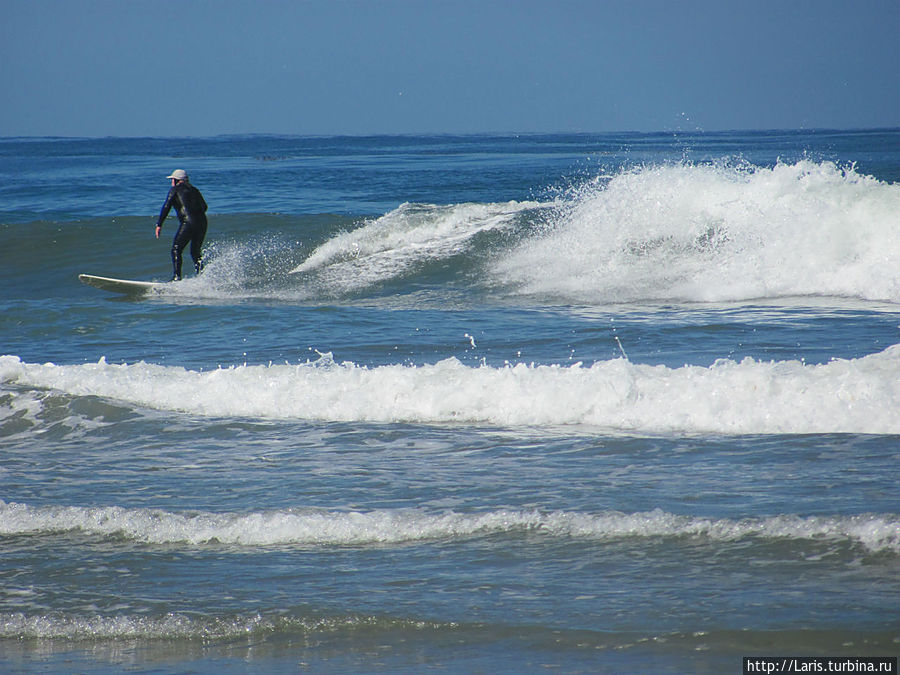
(208, 67)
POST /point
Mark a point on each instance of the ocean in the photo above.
(576, 403)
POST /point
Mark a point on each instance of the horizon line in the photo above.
(460, 134)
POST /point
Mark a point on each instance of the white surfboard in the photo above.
(123, 286)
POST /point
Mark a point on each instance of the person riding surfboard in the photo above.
(191, 209)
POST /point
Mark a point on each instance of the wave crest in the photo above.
(313, 527)
(717, 232)
(843, 396)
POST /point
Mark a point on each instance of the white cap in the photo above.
(179, 174)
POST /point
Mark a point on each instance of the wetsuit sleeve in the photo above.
(164, 212)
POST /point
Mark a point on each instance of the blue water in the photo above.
(544, 403)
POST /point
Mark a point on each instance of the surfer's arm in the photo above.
(164, 212)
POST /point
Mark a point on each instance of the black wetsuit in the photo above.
(191, 209)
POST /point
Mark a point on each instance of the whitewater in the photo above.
(720, 232)
(843, 396)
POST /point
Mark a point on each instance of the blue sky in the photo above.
(204, 67)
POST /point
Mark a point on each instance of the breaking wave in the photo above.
(731, 397)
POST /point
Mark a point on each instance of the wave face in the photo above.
(852, 396)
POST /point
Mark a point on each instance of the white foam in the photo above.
(123, 626)
(717, 233)
(412, 234)
(19, 625)
(874, 532)
(851, 396)
(138, 626)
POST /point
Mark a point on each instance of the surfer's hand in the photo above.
(158, 228)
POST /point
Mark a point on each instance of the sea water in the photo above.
(546, 403)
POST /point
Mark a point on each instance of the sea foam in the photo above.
(716, 232)
(314, 527)
(731, 397)
(726, 231)
(404, 239)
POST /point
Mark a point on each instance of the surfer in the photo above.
(191, 209)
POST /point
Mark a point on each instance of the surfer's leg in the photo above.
(176, 262)
(181, 239)
(196, 248)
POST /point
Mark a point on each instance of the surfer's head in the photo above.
(178, 174)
